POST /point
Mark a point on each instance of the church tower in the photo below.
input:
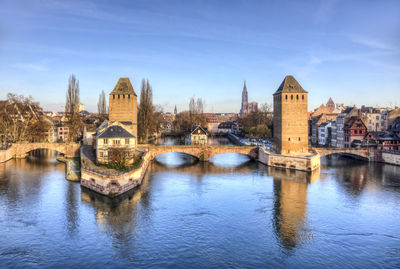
(243, 109)
(290, 118)
(123, 105)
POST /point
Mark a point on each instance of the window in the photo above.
(299, 139)
(302, 97)
(127, 141)
(289, 139)
(116, 142)
(129, 96)
(291, 96)
(297, 97)
(105, 141)
(286, 96)
(123, 96)
(101, 154)
(118, 96)
(113, 96)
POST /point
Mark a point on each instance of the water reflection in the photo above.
(290, 205)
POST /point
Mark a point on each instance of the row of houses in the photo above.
(339, 126)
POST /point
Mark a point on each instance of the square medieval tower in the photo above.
(290, 118)
(123, 105)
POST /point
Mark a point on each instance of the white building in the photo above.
(325, 133)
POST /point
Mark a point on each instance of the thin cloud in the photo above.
(31, 67)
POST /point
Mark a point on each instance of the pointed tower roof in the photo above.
(244, 86)
(123, 86)
(330, 102)
(290, 85)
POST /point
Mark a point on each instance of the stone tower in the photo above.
(290, 118)
(243, 109)
(123, 105)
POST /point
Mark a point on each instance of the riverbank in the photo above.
(109, 181)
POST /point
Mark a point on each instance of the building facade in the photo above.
(290, 118)
(354, 132)
(123, 105)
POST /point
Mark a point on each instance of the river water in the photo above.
(226, 213)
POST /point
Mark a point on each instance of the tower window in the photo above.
(118, 96)
(113, 96)
(299, 138)
(297, 97)
(291, 96)
(286, 97)
(123, 96)
(302, 97)
(129, 96)
(289, 139)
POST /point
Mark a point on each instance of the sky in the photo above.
(347, 50)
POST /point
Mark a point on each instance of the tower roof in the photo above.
(123, 86)
(290, 85)
(244, 86)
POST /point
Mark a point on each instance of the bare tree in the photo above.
(196, 109)
(72, 108)
(102, 104)
(21, 119)
(146, 111)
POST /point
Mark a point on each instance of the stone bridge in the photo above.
(20, 150)
(204, 152)
(358, 153)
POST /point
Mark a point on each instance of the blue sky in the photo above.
(349, 50)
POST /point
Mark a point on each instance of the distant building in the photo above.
(290, 118)
(246, 107)
(62, 133)
(81, 107)
(225, 127)
(325, 133)
(342, 118)
(354, 131)
(197, 136)
(383, 140)
(175, 110)
(212, 122)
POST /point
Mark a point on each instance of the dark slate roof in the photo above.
(194, 128)
(115, 131)
(349, 109)
(123, 86)
(290, 85)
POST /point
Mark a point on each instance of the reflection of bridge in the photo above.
(205, 152)
(19, 150)
(358, 153)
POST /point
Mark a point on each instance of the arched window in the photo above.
(113, 96)
(286, 96)
(297, 97)
(123, 96)
(289, 138)
(299, 138)
(118, 96)
(291, 96)
(302, 97)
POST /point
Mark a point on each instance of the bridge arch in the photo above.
(68, 149)
(356, 153)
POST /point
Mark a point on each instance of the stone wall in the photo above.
(302, 163)
(391, 158)
(111, 185)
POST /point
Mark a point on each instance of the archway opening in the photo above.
(230, 159)
(174, 159)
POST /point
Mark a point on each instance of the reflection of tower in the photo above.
(243, 109)
(290, 205)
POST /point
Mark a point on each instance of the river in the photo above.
(226, 213)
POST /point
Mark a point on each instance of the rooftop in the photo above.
(123, 86)
(290, 85)
(115, 131)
